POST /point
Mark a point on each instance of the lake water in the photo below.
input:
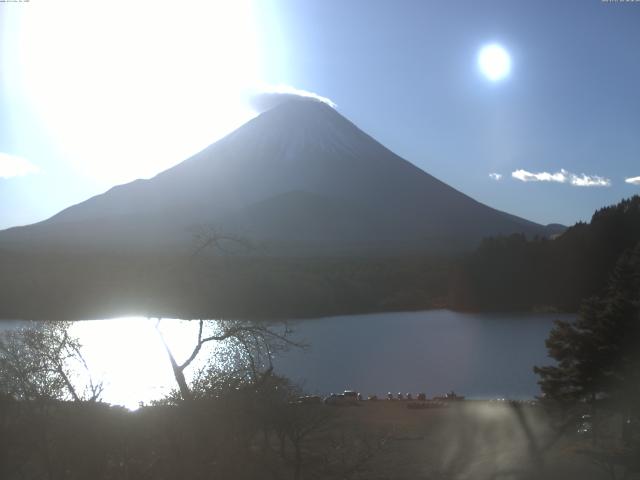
(477, 355)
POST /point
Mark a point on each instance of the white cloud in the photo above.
(269, 97)
(563, 176)
(589, 181)
(525, 176)
(633, 180)
(495, 176)
(13, 166)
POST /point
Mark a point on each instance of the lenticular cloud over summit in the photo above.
(270, 97)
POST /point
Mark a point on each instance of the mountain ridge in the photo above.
(299, 146)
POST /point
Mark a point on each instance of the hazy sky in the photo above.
(93, 94)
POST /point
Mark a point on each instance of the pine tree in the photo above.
(598, 355)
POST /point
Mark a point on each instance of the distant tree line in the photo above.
(503, 273)
(514, 273)
(216, 285)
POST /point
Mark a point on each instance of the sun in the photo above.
(126, 90)
(494, 62)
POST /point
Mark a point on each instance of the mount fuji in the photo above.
(299, 179)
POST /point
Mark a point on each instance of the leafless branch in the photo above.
(210, 237)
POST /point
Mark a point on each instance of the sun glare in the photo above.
(128, 356)
(132, 89)
(494, 62)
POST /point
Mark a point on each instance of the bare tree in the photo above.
(209, 237)
(255, 340)
(41, 360)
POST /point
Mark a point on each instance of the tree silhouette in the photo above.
(598, 354)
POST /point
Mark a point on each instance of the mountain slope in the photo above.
(299, 178)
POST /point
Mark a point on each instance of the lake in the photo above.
(477, 355)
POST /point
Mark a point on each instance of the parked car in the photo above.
(349, 397)
(309, 400)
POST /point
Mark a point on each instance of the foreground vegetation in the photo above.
(237, 421)
(252, 435)
(249, 423)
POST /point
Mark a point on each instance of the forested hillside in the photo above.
(513, 273)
